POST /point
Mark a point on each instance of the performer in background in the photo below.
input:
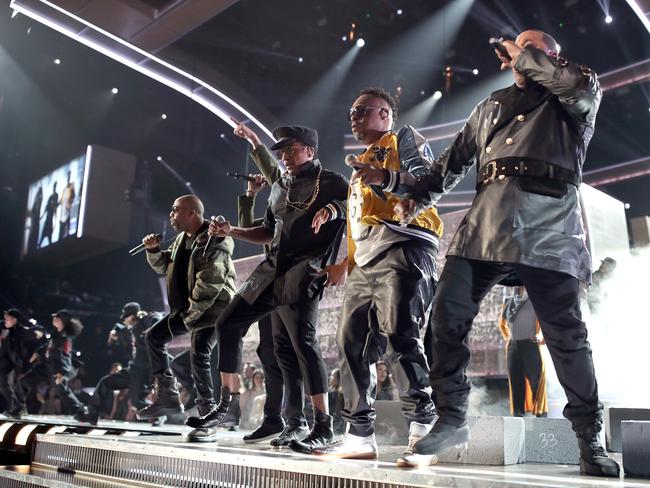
(285, 377)
(199, 286)
(392, 278)
(529, 143)
(67, 199)
(35, 220)
(50, 210)
(526, 373)
(290, 279)
(136, 376)
(21, 343)
(54, 365)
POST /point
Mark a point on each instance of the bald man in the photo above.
(199, 286)
(524, 227)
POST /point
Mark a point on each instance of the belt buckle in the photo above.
(491, 172)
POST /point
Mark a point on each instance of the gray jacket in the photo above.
(210, 279)
(532, 221)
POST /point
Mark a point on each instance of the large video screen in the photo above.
(53, 206)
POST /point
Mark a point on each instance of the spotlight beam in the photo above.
(79, 29)
(642, 11)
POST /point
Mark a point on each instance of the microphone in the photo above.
(497, 43)
(238, 176)
(140, 247)
(350, 161)
(219, 219)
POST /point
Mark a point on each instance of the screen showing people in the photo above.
(53, 206)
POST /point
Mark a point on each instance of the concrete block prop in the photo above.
(635, 436)
(495, 441)
(613, 418)
(551, 441)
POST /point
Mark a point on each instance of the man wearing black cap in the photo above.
(290, 279)
(136, 376)
(19, 342)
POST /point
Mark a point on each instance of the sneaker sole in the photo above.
(417, 462)
(210, 438)
(262, 439)
(366, 456)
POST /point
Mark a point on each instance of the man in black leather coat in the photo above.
(529, 143)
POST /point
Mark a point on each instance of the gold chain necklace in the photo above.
(308, 203)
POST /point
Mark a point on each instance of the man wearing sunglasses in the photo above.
(528, 142)
(290, 279)
(392, 278)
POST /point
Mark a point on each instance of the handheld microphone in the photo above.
(219, 219)
(497, 43)
(140, 247)
(238, 176)
(350, 161)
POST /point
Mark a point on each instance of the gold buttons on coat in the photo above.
(521, 118)
(509, 140)
(488, 149)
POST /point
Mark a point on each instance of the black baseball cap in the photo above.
(17, 314)
(131, 308)
(286, 135)
(62, 314)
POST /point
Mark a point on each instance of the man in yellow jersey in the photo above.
(392, 277)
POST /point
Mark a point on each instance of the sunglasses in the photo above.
(360, 111)
(288, 150)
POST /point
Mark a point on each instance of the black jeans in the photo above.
(273, 377)
(134, 377)
(555, 298)
(202, 341)
(294, 340)
(385, 309)
(42, 373)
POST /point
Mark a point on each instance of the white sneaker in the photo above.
(351, 447)
(411, 460)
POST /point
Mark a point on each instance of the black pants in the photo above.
(524, 363)
(41, 373)
(294, 340)
(386, 306)
(134, 377)
(555, 298)
(273, 377)
(202, 342)
(181, 366)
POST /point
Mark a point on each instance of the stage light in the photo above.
(159, 158)
(627, 206)
(57, 61)
(344, 38)
(222, 135)
(114, 91)
(23, 434)
(399, 11)
(475, 72)
(608, 19)
(3, 430)
(421, 92)
(300, 60)
(437, 95)
(163, 116)
(361, 42)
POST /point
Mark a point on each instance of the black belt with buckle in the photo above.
(528, 167)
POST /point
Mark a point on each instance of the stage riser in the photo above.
(613, 418)
(495, 441)
(550, 441)
(636, 447)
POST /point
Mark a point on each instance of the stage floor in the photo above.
(163, 454)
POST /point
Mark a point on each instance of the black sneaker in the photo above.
(195, 421)
(290, 433)
(87, 416)
(160, 409)
(321, 435)
(266, 431)
(593, 457)
(212, 419)
(16, 413)
(202, 435)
